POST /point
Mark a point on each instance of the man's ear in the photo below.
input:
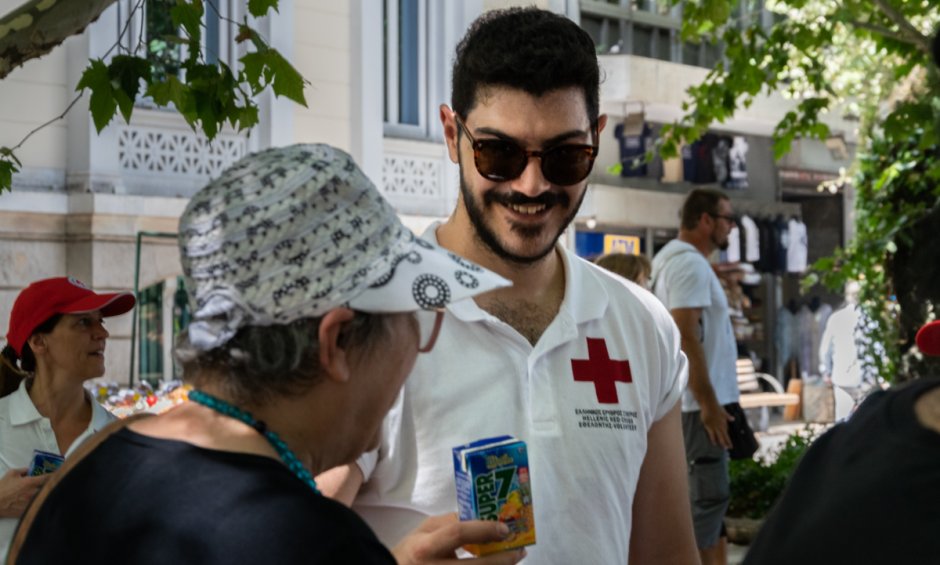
(601, 124)
(706, 220)
(333, 357)
(451, 132)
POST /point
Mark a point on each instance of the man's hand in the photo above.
(17, 490)
(436, 540)
(715, 421)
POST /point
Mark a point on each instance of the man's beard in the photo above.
(721, 245)
(491, 198)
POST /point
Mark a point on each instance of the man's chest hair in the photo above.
(530, 319)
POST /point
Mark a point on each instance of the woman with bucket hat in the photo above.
(310, 303)
(56, 342)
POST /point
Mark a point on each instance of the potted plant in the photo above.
(757, 483)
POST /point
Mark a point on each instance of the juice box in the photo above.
(44, 462)
(492, 478)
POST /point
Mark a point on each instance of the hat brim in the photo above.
(424, 276)
(110, 304)
(928, 339)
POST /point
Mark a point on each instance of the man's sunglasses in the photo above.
(502, 160)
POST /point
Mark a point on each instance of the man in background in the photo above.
(686, 283)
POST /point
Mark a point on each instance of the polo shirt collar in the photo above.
(22, 409)
(585, 297)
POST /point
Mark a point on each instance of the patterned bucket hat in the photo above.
(293, 232)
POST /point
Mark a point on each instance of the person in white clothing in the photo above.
(56, 341)
(582, 365)
(686, 283)
(839, 359)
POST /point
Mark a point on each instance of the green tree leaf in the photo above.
(287, 81)
(7, 169)
(253, 65)
(97, 79)
(127, 72)
(188, 15)
(258, 8)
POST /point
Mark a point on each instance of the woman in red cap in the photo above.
(56, 342)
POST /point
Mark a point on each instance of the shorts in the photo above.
(709, 487)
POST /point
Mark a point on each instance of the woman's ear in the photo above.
(37, 343)
(333, 357)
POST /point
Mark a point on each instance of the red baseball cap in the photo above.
(928, 338)
(60, 295)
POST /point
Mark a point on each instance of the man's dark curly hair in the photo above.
(525, 48)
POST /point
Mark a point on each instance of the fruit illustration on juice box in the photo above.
(44, 462)
(492, 477)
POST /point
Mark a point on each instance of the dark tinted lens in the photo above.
(567, 164)
(499, 160)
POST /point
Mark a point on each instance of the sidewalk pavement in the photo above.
(736, 553)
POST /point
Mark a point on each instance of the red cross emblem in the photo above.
(603, 371)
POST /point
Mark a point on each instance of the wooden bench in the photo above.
(753, 396)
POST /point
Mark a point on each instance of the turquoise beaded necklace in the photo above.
(287, 456)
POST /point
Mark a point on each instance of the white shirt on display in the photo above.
(751, 239)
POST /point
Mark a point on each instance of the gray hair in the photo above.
(261, 362)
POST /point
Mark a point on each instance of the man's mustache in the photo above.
(549, 199)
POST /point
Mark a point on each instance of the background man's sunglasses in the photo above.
(502, 160)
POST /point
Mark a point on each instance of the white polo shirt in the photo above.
(583, 399)
(23, 429)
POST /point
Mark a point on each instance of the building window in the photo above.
(645, 28)
(154, 337)
(405, 68)
(150, 312)
(148, 27)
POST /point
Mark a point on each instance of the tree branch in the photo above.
(883, 31)
(33, 29)
(915, 37)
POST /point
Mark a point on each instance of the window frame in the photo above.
(392, 122)
(664, 30)
(227, 51)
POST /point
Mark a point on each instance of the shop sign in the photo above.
(806, 178)
(629, 244)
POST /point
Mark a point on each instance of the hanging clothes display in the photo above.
(798, 247)
(765, 242)
(786, 338)
(632, 147)
(720, 160)
(698, 163)
(781, 244)
(734, 246)
(811, 320)
(750, 239)
(737, 165)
